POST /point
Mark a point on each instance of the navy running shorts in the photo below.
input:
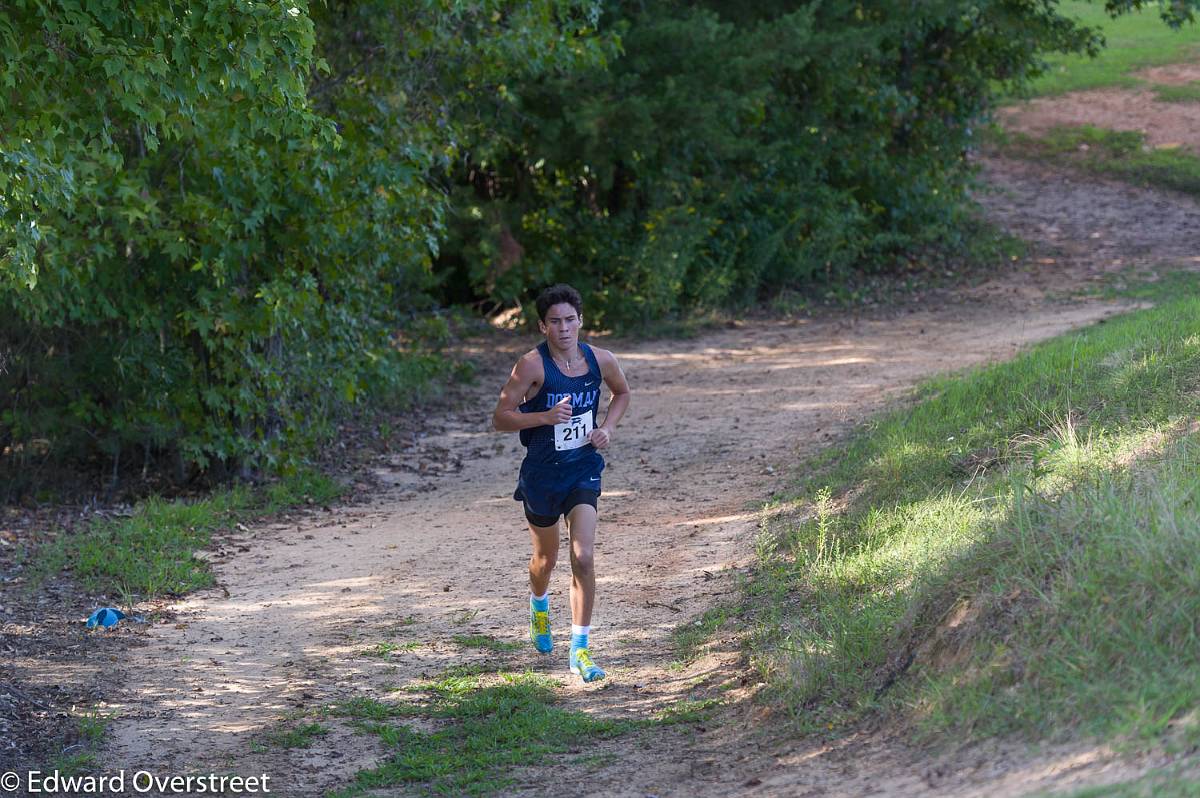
(574, 499)
(549, 490)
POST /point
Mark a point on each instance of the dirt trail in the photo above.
(712, 418)
(715, 424)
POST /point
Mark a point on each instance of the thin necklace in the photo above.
(568, 365)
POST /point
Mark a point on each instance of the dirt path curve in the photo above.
(441, 551)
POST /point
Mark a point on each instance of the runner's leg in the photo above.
(541, 563)
(581, 523)
(545, 555)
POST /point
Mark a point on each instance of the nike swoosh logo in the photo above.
(594, 479)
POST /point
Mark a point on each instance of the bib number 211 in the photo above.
(574, 433)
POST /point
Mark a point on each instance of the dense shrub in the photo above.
(729, 149)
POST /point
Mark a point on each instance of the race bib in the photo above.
(574, 433)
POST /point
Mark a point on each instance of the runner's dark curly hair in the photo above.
(556, 295)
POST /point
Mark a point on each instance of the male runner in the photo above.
(551, 398)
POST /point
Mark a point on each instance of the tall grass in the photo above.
(1009, 553)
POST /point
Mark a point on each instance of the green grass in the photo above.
(1133, 41)
(487, 726)
(1120, 154)
(1013, 553)
(486, 642)
(73, 764)
(385, 650)
(303, 487)
(92, 726)
(688, 711)
(690, 638)
(152, 551)
(295, 736)
(1145, 285)
(1184, 93)
(1162, 784)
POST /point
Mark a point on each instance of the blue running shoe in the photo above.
(581, 663)
(539, 628)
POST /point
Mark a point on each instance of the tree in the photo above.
(214, 214)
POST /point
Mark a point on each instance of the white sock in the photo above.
(542, 597)
(580, 630)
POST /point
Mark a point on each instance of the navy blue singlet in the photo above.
(550, 472)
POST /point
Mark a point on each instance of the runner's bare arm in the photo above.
(525, 375)
(614, 378)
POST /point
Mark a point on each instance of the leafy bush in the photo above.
(212, 224)
(723, 152)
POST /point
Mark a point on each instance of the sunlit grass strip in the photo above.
(1174, 782)
(486, 642)
(942, 549)
(1107, 583)
(152, 551)
(492, 725)
(300, 735)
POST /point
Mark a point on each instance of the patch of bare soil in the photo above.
(439, 552)
(1171, 74)
(1164, 124)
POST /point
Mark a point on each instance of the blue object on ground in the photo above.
(105, 616)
